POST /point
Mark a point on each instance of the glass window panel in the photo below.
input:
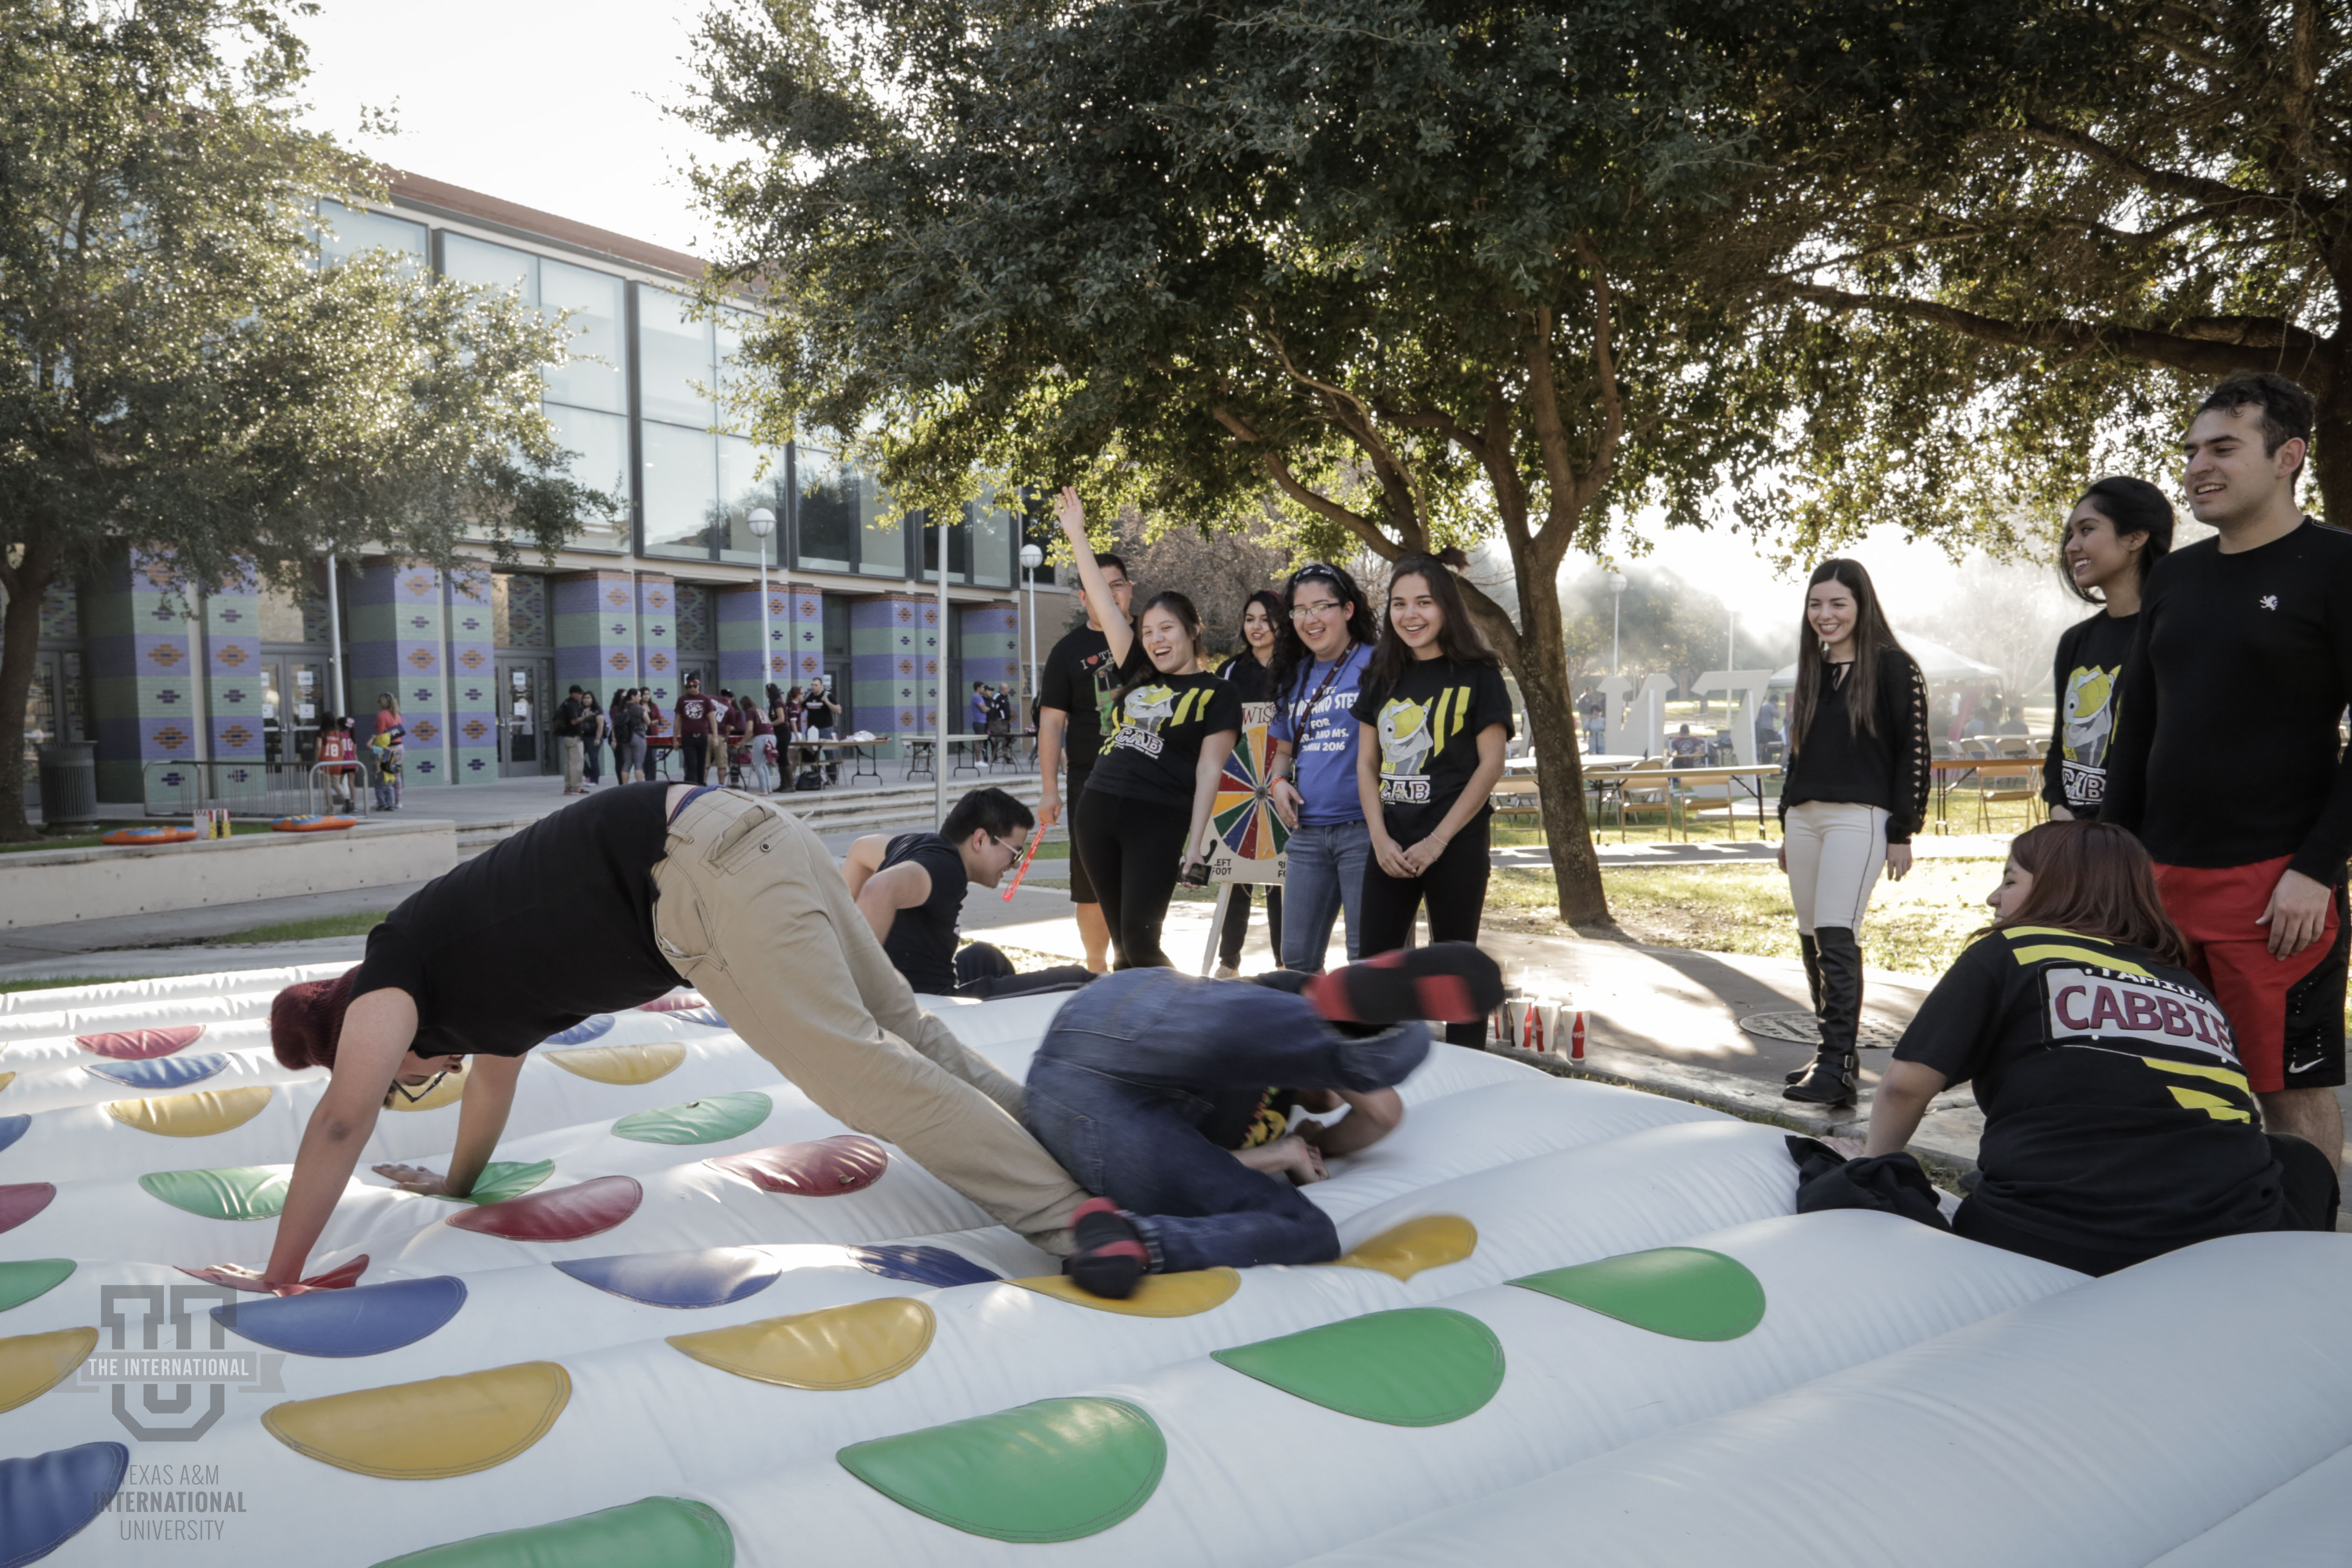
(834, 502)
(990, 528)
(727, 335)
(518, 610)
(485, 265)
(680, 489)
(882, 538)
(601, 441)
(345, 232)
(596, 377)
(673, 359)
(749, 476)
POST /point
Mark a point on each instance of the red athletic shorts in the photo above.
(2287, 1013)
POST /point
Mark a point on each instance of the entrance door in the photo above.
(525, 750)
(292, 696)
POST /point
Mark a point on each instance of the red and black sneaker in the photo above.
(1110, 1257)
(1448, 981)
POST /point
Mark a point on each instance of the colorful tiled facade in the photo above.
(473, 679)
(595, 631)
(144, 687)
(232, 673)
(988, 643)
(398, 643)
(657, 638)
(894, 664)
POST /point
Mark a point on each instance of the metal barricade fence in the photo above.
(255, 789)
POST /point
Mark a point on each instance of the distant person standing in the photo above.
(1080, 681)
(999, 723)
(1767, 731)
(2112, 538)
(697, 726)
(2242, 661)
(592, 741)
(628, 722)
(823, 717)
(1325, 645)
(567, 734)
(338, 753)
(1250, 672)
(1859, 771)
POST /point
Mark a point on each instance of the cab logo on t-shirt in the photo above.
(1148, 710)
(2087, 1004)
(1406, 741)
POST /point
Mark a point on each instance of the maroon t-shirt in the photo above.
(695, 712)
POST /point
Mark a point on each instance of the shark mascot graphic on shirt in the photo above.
(1148, 708)
(1405, 745)
(2089, 724)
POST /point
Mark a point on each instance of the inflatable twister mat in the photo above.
(691, 1321)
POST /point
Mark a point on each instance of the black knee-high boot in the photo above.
(1809, 948)
(1835, 1075)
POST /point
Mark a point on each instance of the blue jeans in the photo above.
(1325, 874)
(1148, 1077)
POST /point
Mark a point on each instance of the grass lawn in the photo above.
(1917, 926)
(307, 930)
(58, 982)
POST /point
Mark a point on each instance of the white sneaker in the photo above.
(1227, 972)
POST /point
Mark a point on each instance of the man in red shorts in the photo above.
(2226, 759)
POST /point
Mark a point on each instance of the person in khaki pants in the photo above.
(611, 903)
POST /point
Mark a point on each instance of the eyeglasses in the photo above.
(1313, 612)
(431, 1084)
(1011, 847)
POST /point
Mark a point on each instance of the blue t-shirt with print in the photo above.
(1326, 769)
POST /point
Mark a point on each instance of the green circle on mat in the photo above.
(670, 1530)
(20, 1282)
(709, 1121)
(1059, 1469)
(1422, 1366)
(235, 1192)
(504, 1179)
(1686, 1292)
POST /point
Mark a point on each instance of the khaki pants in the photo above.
(574, 756)
(753, 913)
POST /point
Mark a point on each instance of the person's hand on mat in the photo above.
(417, 1179)
(2296, 914)
(1424, 855)
(1898, 861)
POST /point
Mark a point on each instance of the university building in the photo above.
(478, 658)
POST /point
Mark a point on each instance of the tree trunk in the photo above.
(20, 638)
(2331, 452)
(1542, 671)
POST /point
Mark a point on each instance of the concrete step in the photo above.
(829, 810)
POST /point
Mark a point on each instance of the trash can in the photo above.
(69, 771)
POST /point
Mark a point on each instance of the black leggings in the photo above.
(981, 969)
(1455, 887)
(1236, 930)
(1131, 848)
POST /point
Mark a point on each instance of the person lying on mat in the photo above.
(910, 888)
(2118, 1124)
(1148, 1081)
(609, 904)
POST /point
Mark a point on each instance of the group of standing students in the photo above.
(1386, 737)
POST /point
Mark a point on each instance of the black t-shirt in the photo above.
(1428, 726)
(1251, 681)
(2243, 662)
(2090, 666)
(2116, 1111)
(1081, 682)
(922, 942)
(1889, 764)
(817, 713)
(1157, 729)
(535, 934)
(568, 717)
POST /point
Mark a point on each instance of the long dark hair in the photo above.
(1872, 638)
(1176, 604)
(1457, 635)
(2132, 506)
(2095, 878)
(1277, 615)
(1290, 648)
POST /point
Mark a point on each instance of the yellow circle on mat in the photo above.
(32, 1365)
(427, 1431)
(1156, 1295)
(620, 1064)
(1403, 1250)
(197, 1115)
(7, 1079)
(852, 1346)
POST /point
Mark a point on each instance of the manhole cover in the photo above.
(1803, 1029)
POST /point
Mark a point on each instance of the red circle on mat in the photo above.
(681, 1002)
(567, 1214)
(22, 1201)
(825, 1169)
(140, 1045)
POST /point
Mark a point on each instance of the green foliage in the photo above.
(179, 373)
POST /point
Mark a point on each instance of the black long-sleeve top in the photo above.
(1886, 766)
(2091, 659)
(2226, 749)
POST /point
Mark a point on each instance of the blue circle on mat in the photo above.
(711, 1278)
(922, 1265)
(161, 1072)
(11, 1129)
(580, 1033)
(366, 1320)
(46, 1501)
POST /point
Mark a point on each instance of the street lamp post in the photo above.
(1030, 559)
(762, 522)
(1616, 618)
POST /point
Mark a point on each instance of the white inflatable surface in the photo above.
(706, 1325)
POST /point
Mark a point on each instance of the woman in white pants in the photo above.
(1855, 791)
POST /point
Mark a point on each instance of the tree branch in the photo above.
(2194, 188)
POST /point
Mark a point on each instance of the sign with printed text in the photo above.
(2089, 1004)
(1252, 841)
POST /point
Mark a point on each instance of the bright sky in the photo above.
(557, 106)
